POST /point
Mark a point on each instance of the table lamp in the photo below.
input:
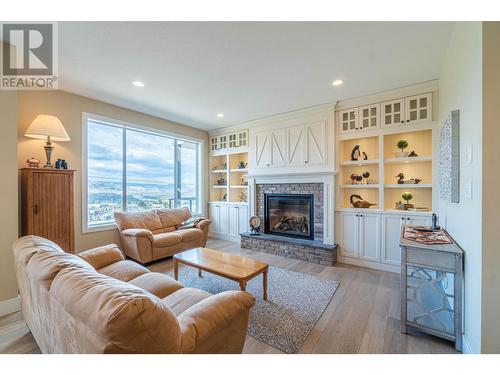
(49, 128)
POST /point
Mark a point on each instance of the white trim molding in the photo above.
(466, 347)
(10, 306)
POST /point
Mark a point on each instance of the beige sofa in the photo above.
(153, 235)
(97, 302)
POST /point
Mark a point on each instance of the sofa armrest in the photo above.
(137, 233)
(203, 224)
(212, 315)
(102, 256)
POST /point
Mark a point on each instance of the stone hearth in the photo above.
(306, 250)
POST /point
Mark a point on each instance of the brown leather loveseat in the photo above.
(153, 235)
(97, 302)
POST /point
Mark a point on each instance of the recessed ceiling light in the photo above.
(220, 115)
(338, 82)
(138, 83)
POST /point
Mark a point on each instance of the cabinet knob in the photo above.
(267, 165)
(407, 218)
(361, 215)
(407, 120)
(307, 161)
(402, 122)
(402, 218)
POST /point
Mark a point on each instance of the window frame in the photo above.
(136, 127)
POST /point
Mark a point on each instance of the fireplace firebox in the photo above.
(290, 215)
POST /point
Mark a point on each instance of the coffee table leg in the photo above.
(199, 272)
(264, 284)
(176, 270)
(243, 285)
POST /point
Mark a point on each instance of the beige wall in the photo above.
(461, 88)
(69, 107)
(491, 186)
(8, 193)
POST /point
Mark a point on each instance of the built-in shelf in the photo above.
(219, 186)
(407, 186)
(238, 186)
(241, 170)
(360, 186)
(416, 159)
(359, 162)
(219, 171)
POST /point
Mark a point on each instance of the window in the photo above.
(129, 168)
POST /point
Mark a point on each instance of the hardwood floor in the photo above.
(362, 317)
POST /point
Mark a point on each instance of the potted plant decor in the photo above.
(407, 197)
(402, 144)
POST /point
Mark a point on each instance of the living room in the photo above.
(249, 187)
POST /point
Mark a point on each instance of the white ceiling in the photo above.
(192, 71)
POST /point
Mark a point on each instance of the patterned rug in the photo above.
(295, 303)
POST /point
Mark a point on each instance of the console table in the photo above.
(431, 288)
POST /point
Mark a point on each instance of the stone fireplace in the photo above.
(296, 215)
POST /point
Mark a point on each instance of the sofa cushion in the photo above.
(138, 220)
(173, 217)
(166, 239)
(156, 283)
(184, 298)
(192, 234)
(119, 317)
(124, 270)
(44, 265)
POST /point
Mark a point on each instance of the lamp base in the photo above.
(48, 153)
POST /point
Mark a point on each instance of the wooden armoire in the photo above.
(47, 208)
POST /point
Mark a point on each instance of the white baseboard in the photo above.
(224, 237)
(10, 306)
(369, 264)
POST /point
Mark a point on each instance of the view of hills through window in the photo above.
(156, 172)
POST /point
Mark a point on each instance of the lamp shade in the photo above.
(44, 126)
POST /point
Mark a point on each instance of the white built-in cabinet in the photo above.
(408, 110)
(270, 148)
(373, 236)
(391, 231)
(236, 141)
(228, 220)
(300, 145)
(360, 235)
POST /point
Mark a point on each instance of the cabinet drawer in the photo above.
(431, 258)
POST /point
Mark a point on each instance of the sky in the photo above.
(150, 158)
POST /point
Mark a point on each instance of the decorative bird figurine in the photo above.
(355, 153)
(361, 203)
(403, 180)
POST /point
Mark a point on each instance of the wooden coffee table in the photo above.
(230, 266)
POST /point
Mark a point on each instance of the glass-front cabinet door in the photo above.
(419, 108)
(214, 143)
(349, 120)
(243, 138)
(393, 113)
(232, 140)
(369, 117)
(222, 142)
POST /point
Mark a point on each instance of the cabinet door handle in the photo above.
(35, 209)
(307, 161)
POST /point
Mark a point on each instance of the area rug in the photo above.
(295, 303)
